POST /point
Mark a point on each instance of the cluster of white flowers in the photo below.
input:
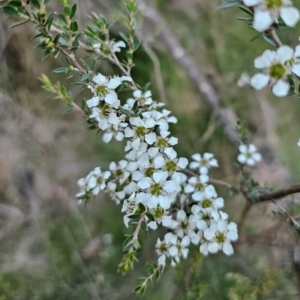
(267, 12)
(276, 67)
(151, 179)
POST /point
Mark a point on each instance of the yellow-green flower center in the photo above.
(199, 187)
(206, 203)
(140, 131)
(171, 166)
(105, 110)
(149, 172)
(105, 49)
(221, 238)
(163, 248)
(158, 213)
(277, 71)
(101, 90)
(272, 4)
(162, 143)
(156, 189)
(206, 217)
(184, 225)
(99, 180)
(141, 100)
(204, 163)
(119, 173)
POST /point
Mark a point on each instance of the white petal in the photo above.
(92, 102)
(100, 79)
(284, 53)
(296, 69)
(173, 251)
(181, 215)
(241, 158)
(227, 248)
(262, 20)
(114, 83)
(171, 153)
(144, 183)
(150, 138)
(158, 162)
(185, 241)
(107, 137)
(182, 162)
(290, 15)
(259, 81)
(196, 157)
(209, 233)
(243, 148)
(251, 2)
(111, 97)
(281, 88)
(297, 51)
(213, 247)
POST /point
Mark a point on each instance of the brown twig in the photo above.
(293, 189)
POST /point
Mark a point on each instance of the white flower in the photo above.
(143, 98)
(249, 155)
(97, 180)
(182, 225)
(158, 190)
(129, 206)
(162, 247)
(266, 12)
(204, 163)
(109, 46)
(298, 143)
(161, 216)
(180, 249)
(196, 184)
(276, 65)
(119, 170)
(104, 89)
(112, 127)
(220, 235)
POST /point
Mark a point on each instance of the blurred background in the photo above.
(51, 247)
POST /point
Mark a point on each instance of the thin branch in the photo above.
(293, 189)
(226, 116)
(136, 232)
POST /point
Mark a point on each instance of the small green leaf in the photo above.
(19, 23)
(269, 40)
(229, 4)
(73, 11)
(246, 10)
(60, 70)
(74, 26)
(10, 10)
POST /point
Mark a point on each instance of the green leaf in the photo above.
(46, 54)
(19, 23)
(67, 10)
(15, 3)
(85, 77)
(74, 26)
(124, 37)
(269, 40)
(63, 42)
(229, 4)
(10, 10)
(60, 70)
(246, 10)
(73, 11)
